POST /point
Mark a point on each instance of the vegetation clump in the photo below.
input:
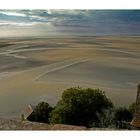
(80, 106)
(41, 113)
(84, 107)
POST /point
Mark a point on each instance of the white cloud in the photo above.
(13, 14)
(5, 24)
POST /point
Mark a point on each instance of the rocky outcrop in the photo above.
(6, 124)
(136, 119)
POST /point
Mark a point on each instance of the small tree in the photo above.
(80, 106)
(41, 113)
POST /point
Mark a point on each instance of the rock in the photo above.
(136, 118)
(6, 124)
(66, 127)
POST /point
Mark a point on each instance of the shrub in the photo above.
(80, 106)
(41, 113)
(106, 119)
(123, 116)
(132, 108)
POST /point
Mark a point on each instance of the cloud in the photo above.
(42, 15)
(16, 24)
(71, 21)
(21, 18)
(12, 14)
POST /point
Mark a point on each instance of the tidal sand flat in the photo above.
(39, 69)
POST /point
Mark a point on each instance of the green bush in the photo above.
(87, 107)
(131, 108)
(80, 107)
(123, 114)
(41, 113)
(123, 117)
(106, 119)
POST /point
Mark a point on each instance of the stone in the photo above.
(136, 119)
(27, 112)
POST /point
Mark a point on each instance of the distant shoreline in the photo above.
(70, 36)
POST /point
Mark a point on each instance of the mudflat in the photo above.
(39, 69)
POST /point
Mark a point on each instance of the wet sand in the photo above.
(40, 69)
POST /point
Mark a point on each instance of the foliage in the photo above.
(80, 106)
(41, 113)
(124, 116)
(22, 117)
(87, 107)
(117, 118)
(106, 119)
(131, 108)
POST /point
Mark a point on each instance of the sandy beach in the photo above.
(34, 70)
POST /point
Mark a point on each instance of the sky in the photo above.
(44, 23)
